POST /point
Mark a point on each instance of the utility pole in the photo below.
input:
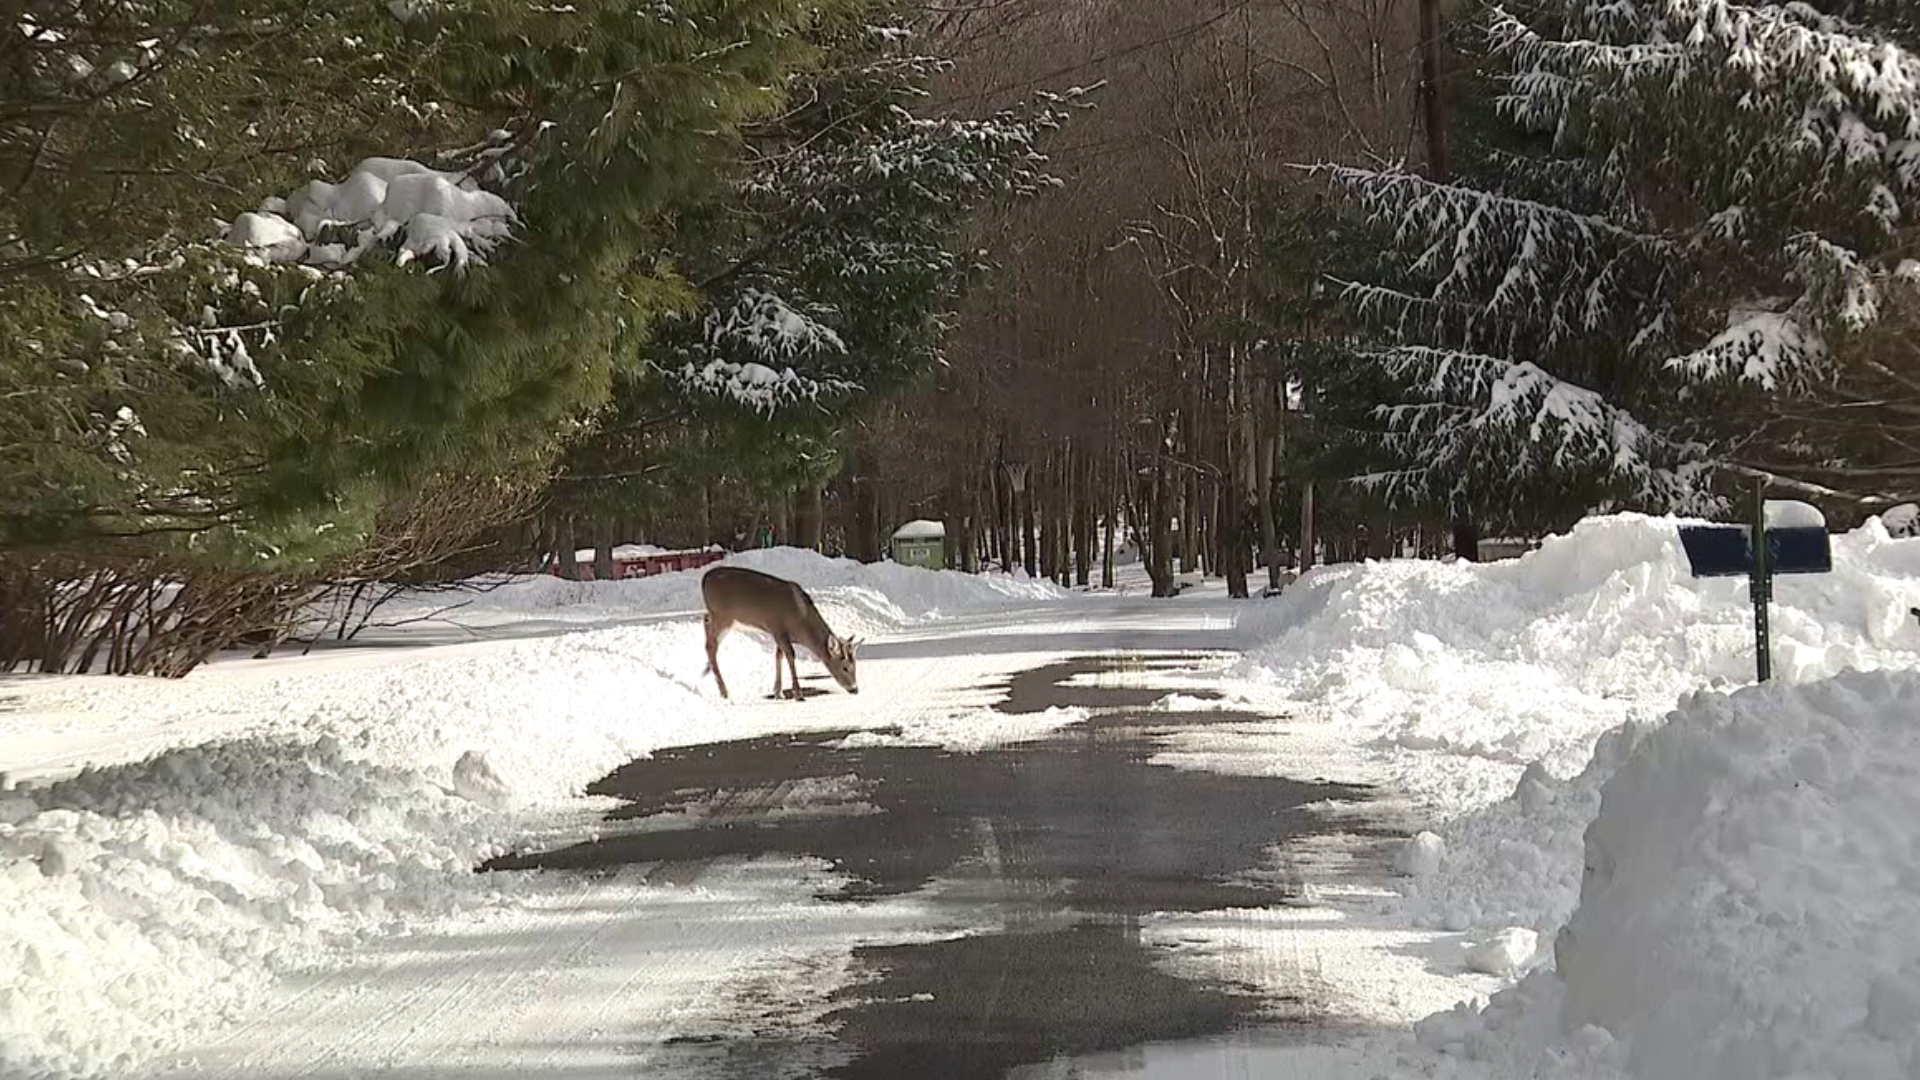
(1466, 532)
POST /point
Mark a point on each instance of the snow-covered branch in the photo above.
(1494, 416)
(441, 217)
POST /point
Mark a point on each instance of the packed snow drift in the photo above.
(1736, 875)
(280, 816)
(1509, 663)
(1753, 884)
(856, 598)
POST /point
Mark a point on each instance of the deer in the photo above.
(783, 611)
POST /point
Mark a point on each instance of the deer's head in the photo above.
(840, 662)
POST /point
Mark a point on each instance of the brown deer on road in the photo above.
(780, 609)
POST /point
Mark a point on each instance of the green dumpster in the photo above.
(921, 543)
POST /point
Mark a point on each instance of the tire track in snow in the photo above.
(595, 977)
(579, 980)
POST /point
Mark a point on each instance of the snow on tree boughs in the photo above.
(1713, 219)
(1485, 418)
(845, 253)
(763, 326)
(1794, 135)
(443, 217)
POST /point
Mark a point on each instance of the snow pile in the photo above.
(1420, 855)
(1486, 690)
(288, 817)
(1752, 881)
(443, 217)
(1902, 520)
(856, 598)
(1500, 665)
(147, 899)
(144, 901)
(1506, 953)
(1753, 884)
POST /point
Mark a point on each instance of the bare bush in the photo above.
(127, 611)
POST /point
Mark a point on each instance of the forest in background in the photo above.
(298, 299)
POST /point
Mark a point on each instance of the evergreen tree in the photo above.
(1701, 254)
(832, 271)
(262, 388)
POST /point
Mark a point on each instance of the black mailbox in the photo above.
(1717, 550)
(1727, 550)
(1802, 549)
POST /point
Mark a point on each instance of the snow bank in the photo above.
(1737, 877)
(1510, 663)
(1485, 690)
(142, 901)
(148, 899)
(1753, 885)
(856, 598)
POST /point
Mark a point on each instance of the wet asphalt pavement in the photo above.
(1070, 839)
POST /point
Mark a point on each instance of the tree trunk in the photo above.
(1266, 449)
(1380, 536)
(566, 542)
(1045, 512)
(1466, 536)
(1189, 502)
(1213, 496)
(1063, 521)
(1089, 539)
(1086, 530)
(1029, 547)
(603, 549)
(807, 522)
(1113, 526)
(863, 535)
(1013, 547)
(970, 525)
(1308, 541)
(1160, 552)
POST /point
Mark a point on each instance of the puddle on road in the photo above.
(1065, 841)
(1063, 684)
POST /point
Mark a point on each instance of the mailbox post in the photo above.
(1760, 587)
(1759, 551)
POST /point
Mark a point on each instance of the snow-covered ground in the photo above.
(267, 862)
(1738, 866)
(168, 847)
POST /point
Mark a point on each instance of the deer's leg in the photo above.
(781, 648)
(715, 631)
(793, 671)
